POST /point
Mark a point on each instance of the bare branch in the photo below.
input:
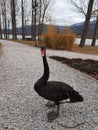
(80, 7)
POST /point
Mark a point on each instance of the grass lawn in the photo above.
(30, 43)
(86, 49)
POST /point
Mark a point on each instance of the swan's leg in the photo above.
(53, 114)
(57, 103)
(58, 108)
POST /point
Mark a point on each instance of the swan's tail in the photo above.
(75, 96)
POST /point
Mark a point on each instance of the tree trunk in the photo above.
(5, 25)
(5, 21)
(95, 33)
(86, 24)
(35, 27)
(0, 28)
(8, 33)
(39, 24)
(43, 7)
(13, 14)
(32, 21)
(3, 9)
(23, 26)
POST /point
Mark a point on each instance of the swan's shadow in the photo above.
(52, 115)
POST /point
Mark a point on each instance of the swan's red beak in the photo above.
(42, 52)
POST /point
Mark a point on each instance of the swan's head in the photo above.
(43, 51)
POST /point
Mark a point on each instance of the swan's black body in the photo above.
(54, 90)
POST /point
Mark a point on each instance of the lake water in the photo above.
(87, 42)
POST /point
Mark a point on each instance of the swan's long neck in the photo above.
(45, 76)
(42, 81)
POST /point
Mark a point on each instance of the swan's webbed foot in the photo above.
(52, 115)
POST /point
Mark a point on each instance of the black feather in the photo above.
(54, 90)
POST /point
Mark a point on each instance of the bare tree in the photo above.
(44, 6)
(32, 21)
(0, 19)
(81, 7)
(13, 15)
(39, 15)
(0, 27)
(95, 12)
(23, 20)
(4, 18)
(95, 33)
(15, 10)
(86, 24)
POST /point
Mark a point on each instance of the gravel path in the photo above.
(22, 109)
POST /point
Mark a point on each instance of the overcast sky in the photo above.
(63, 13)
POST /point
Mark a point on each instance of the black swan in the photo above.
(54, 90)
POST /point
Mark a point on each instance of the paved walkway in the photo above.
(22, 109)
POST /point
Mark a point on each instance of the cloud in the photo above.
(63, 13)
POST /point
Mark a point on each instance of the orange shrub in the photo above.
(64, 40)
(47, 39)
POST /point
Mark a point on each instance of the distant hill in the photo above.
(76, 28)
(28, 29)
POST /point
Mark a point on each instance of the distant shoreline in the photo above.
(87, 42)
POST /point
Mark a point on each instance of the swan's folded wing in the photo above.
(54, 90)
(55, 86)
